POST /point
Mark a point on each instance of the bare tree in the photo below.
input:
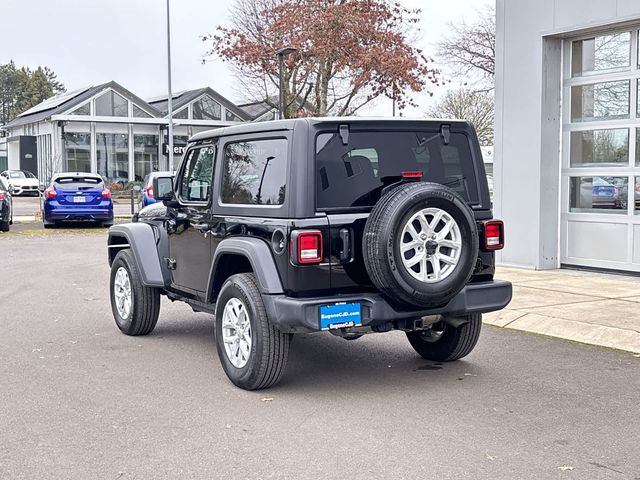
(348, 53)
(466, 104)
(470, 50)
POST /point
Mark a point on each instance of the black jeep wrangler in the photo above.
(349, 225)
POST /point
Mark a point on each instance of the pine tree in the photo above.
(22, 88)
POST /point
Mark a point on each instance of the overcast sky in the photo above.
(91, 42)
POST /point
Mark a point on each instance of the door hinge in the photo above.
(171, 263)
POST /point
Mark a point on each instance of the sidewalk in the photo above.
(27, 209)
(586, 307)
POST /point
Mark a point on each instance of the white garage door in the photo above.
(600, 209)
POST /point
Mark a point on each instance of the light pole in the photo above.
(281, 53)
(264, 170)
(170, 97)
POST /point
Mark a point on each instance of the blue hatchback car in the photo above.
(77, 197)
(148, 197)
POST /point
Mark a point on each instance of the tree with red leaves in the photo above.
(349, 52)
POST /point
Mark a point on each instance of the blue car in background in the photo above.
(77, 197)
(148, 196)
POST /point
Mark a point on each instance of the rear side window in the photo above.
(255, 172)
(354, 175)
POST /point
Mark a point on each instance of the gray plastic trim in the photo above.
(259, 254)
(142, 242)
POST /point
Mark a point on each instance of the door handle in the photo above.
(345, 253)
(202, 227)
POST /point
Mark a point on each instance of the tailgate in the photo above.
(348, 270)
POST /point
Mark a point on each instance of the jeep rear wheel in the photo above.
(420, 244)
(252, 351)
(135, 307)
(444, 342)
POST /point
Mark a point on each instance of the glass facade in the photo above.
(110, 104)
(82, 110)
(145, 155)
(206, 109)
(600, 148)
(604, 53)
(179, 140)
(600, 101)
(182, 114)
(139, 113)
(599, 194)
(231, 117)
(600, 178)
(112, 155)
(77, 152)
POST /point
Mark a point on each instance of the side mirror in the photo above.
(41, 188)
(137, 188)
(163, 188)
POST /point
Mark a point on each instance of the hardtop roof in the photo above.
(289, 124)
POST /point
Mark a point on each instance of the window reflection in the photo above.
(145, 155)
(601, 54)
(207, 109)
(112, 154)
(600, 101)
(600, 148)
(111, 104)
(77, 148)
(599, 194)
(255, 172)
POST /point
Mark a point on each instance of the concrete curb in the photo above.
(583, 332)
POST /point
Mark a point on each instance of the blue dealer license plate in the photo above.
(340, 315)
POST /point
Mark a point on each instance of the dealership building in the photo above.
(567, 144)
(109, 130)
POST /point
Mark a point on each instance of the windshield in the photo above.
(17, 175)
(354, 175)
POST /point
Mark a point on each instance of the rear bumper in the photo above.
(71, 214)
(303, 314)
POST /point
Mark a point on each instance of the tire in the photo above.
(5, 226)
(268, 347)
(144, 302)
(385, 230)
(107, 224)
(50, 225)
(446, 343)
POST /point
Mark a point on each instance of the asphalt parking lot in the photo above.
(80, 400)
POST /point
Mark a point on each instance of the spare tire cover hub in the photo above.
(430, 245)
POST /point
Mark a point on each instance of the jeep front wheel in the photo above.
(135, 307)
(444, 342)
(252, 351)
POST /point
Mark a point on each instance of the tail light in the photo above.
(106, 193)
(149, 191)
(50, 192)
(306, 246)
(493, 235)
(1, 196)
(412, 174)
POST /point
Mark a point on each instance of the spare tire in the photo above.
(420, 244)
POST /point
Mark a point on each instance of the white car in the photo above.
(21, 181)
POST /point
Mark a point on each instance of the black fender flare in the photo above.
(259, 254)
(141, 240)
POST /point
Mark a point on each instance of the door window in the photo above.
(197, 176)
